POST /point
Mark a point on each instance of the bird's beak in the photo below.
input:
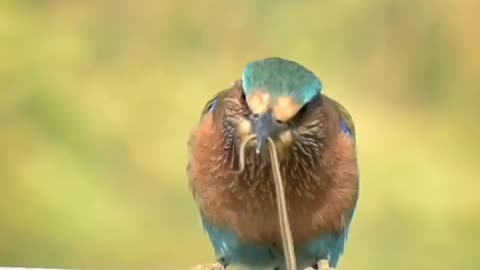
(264, 126)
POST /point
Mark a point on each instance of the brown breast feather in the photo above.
(226, 202)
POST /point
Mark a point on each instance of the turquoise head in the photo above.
(281, 77)
(276, 89)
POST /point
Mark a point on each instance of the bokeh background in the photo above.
(98, 99)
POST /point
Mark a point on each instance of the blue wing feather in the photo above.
(345, 128)
(231, 249)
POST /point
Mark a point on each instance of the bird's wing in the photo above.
(213, 102)
(347, 124)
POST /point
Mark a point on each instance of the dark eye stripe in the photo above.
(244, 96)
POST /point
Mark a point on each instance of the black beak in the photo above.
(264, 126)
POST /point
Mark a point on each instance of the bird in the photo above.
(315, 138)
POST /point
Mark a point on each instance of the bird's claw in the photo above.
(321, 265)
(324, 265)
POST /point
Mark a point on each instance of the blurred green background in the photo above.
(98, 99)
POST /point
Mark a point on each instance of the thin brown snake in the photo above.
(287, 240)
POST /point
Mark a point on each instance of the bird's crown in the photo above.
(280, 77)
(278, 84)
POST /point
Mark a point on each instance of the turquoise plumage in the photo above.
(281, 78)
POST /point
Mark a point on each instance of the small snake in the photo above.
(287, 240)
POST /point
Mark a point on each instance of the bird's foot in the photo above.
(321, 265)
(209, 266)
(324, 265)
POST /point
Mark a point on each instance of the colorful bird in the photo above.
(315, 139)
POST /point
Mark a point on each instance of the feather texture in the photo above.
(319, 167)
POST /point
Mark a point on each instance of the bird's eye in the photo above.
(302, 110)
(244, 98)
(280, 122)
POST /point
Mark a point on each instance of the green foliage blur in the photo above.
(98, 99)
